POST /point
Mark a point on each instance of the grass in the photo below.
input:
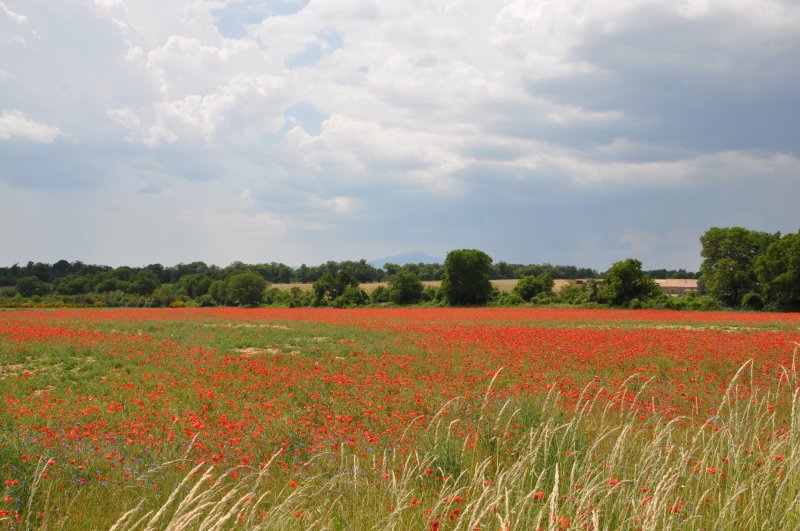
(205, 421)
(544, 477)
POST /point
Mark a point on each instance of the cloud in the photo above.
(16, 18)
(14, 124)
(564, 131)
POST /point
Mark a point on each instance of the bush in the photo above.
(531, 286)
(205, 301)
(351, 297)
(405, 287)
(752, 301)
(379, 295)
(507, 299)
(625, 283)
(432, 294)
(275, 296)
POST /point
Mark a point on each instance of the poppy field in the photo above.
(446, 418)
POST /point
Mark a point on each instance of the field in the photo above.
(398, 419)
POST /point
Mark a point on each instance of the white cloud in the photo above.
(20, 20)
(414, 106)
(338, 205)
(14, 124)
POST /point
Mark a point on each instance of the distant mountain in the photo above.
(413, 257)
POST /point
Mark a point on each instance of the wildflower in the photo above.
(539, 495)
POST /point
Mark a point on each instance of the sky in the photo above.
(299, 131)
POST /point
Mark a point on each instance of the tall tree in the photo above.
(729, 257)
(467, 274)
(405, 286)
(626, 281)
(778, 273)
(246, 289)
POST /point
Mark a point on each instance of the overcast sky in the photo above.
(564, 131)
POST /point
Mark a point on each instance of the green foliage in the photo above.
(299, 298)
(74, 285)
(729, 258)
(432, 295)
(504, 270)
(276, 297)
(218, 291)
(31, 286)
(246, 289)
(753, 301)
(627, 285)
(145, 282)
(574, 293)
(351, 296)
(405, 287)
(778, 273)
(529, 287)
(164, 296)
(195, 284)
(507, 299)
(328, 288)
(467, 274)
(380, 295)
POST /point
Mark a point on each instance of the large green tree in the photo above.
(328, 287)
(729, 257)
(467, 274)
(405, 286)
(626, 281)
(778, 273)
(246, 289)
(531, 286)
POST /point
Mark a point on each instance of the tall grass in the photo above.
(524, 465)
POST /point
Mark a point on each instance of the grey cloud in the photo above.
(715, 83)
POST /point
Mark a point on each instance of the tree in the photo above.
(405, 287)
(467, 274)
(246, 289)
(30, 285)
(379, 295)
(145, 282)
(626, 282)
(164, 295)
(195, 285)
(327, 288)
(530, 286)
(778, 273)
(351, 296)
(218, 292)
(729, 257)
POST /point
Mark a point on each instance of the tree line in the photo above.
(197, 283)
(741, 268)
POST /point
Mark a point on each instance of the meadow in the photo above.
(436, 418)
